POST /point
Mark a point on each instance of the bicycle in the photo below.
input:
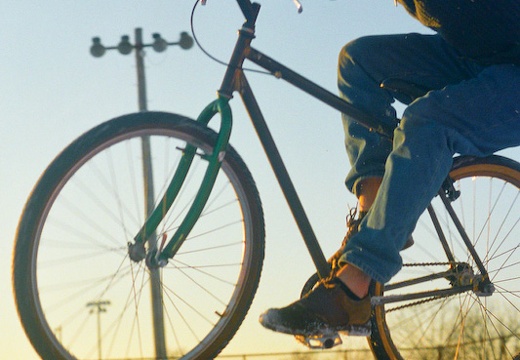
(179, 267)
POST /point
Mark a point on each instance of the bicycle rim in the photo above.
(80, 295)
(464, 326)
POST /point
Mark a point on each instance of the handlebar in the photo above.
(251, 9)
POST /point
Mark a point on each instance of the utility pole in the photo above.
(98, 307)
(125, 47)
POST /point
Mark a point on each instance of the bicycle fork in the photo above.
(158, 256)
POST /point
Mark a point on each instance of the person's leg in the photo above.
(424, 60)
(366, 191)
(476, 117)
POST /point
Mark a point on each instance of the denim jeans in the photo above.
(471, 110)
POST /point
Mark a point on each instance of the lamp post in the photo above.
(125, 48)
(98, 307)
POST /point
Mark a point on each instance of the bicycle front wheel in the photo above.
(78, 293)
(463, 326)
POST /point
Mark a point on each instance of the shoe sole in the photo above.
(318, 329)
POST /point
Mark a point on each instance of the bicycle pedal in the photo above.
(321, 341)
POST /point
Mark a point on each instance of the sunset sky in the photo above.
(53, 90)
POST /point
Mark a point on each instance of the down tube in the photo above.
(283, 178)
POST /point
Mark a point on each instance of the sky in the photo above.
(53, 90)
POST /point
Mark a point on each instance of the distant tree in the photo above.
(479, 339)
(302, 356)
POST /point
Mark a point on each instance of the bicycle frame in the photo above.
(235, 81)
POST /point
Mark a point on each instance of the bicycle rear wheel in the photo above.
(463, 326)
(78, 293)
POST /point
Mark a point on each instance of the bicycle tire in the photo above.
(463, 326)
(71, 252)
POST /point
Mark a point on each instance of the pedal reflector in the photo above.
(322, 341)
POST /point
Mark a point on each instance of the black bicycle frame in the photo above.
(235, 81)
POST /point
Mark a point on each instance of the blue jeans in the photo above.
(472, 110)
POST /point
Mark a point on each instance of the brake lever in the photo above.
(298, 5)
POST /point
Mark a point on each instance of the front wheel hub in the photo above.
(136, 251)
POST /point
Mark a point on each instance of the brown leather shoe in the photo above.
(325, 309)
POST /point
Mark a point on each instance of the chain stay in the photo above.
(433, 298)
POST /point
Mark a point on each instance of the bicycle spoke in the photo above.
(466, 325)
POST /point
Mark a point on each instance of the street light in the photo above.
(159, 44)
(97, 50)
(125, 47)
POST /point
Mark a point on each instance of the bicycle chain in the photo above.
(450, 263)
(420, 302)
